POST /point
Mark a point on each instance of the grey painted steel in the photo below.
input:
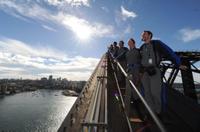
(106, 105)
(91, 121)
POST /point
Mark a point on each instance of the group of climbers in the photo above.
(142, 66)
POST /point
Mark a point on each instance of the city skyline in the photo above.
(66, 38)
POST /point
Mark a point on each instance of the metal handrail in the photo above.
(153, 115)
(122, 100)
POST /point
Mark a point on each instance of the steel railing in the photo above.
(152, 114)
(121, 99)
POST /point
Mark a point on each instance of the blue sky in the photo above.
(66, 38)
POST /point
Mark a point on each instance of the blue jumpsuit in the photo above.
(151, 55)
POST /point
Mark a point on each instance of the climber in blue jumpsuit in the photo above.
(152, 51)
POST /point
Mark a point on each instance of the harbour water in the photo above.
(41, 110)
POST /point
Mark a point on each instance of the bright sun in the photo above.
(82, 28)
(83, 32)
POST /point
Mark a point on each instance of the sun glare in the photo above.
(82, 28)
(83, 32)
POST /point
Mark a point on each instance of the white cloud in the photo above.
(49, 28)
(10, 69)
(18, 47)
(70, 2)
(26, 10)
(127, 14)
(188, 34)
(82, 27)
(18, 59)
(78, 25)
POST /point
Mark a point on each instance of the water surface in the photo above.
(42, 110)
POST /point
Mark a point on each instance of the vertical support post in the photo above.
(188, 81)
